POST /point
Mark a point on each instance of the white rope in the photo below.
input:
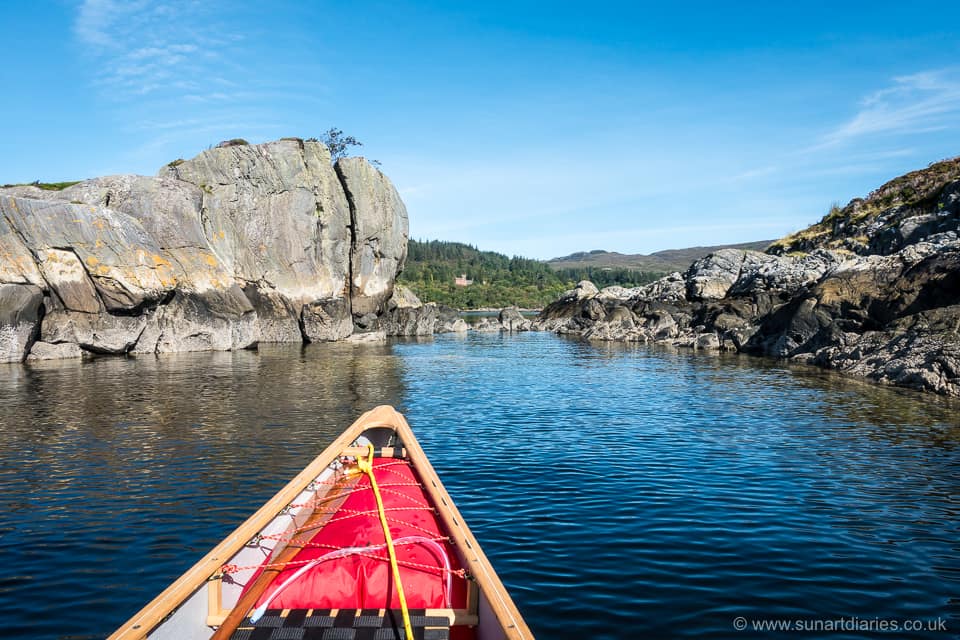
(349, 551)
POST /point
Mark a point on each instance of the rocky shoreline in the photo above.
(275, 243)
(873, 291)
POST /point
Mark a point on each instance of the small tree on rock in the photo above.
(338, 143)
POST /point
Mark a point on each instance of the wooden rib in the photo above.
(214, 600)
(160, 607)
(514, 627)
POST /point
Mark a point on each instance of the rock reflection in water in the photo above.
(116, 469)
(618, 489)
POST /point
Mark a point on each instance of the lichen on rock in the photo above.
(241, 244)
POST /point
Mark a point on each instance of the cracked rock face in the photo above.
(274, 213)
(380, 235)
(239, 245)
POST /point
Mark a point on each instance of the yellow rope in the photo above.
(366, 466)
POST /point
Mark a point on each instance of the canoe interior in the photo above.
(317, 548)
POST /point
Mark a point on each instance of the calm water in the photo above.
(618, 491)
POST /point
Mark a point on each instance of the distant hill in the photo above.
(659, 262)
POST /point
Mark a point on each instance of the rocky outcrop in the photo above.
(889, 312)
(380, 231)
(277, 217)
(512, 320)
(20, 313)
(406, 315)
(242, 244)
(901, 212)
(449, 321)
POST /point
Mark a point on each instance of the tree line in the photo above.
(498, 280)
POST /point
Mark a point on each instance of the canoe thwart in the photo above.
(383, 452)
(356, 623)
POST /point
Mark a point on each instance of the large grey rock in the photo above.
(50, 351)
(327, 320)
(65, 274)
(512, 320)
(19, 320)
(209, 310)
(584, 289)
(710, 278)
(403, 298)
(276, 215)
(211, 321)
(449, 321)
(124, 263)
(411, 321)
(170, 212)
(95, 332)
(381, 229)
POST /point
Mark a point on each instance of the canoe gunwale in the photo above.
(208, 568)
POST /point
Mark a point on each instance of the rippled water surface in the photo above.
(620, 492)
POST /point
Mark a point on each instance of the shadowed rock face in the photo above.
(892, 315)
(20, 309)
(239, 245)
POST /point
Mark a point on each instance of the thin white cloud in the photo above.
(141, 47)
(97, 20)
(172, 73)
(918, 103)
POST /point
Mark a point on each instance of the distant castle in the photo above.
(461, 281)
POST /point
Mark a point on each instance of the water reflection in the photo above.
(115, 469)
(614, 486)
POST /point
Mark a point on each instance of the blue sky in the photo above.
(529, 128)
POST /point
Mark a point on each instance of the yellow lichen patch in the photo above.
(160, 261)
(103, 270)
(98, 243)
(222, 234)
(211, 260)
(92, 261)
